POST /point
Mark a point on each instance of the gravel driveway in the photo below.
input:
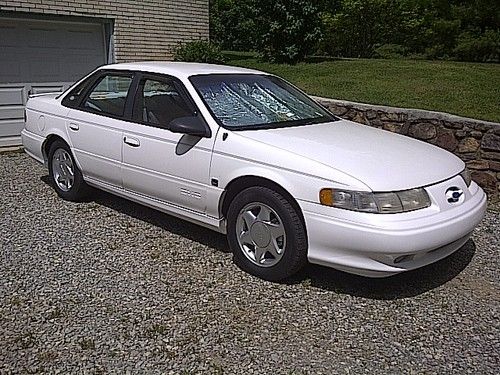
(109, 286)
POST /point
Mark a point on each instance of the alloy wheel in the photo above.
(63, 169)
(261, 234)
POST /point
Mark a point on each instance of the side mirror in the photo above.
(190, 125)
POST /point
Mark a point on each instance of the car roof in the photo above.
(180, 69)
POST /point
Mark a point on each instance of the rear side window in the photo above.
(73, 98)
(159, 102)
(109, 95)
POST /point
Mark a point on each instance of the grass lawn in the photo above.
(465, 89)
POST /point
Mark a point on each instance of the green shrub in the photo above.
(482, 48)
(199, 51)
(358, 27)
(390, 51)
(436, 52)
(441, 38)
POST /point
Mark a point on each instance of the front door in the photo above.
(169, 167)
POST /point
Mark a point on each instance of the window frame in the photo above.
(90, 84)
(128, 114)
(90, 89)
(136, 116)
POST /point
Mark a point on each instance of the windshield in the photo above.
(251, 101)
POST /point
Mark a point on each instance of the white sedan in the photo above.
(247, 154)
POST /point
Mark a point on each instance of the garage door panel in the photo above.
(46, 49)
(42, 56)
(11, 127)
(45, 69)
(11, 112)
(41, 89)
(12, 101)
(48, 38)
(12, 95)
(85, 40)
(10, 36)
(77, 71)
(12, 68)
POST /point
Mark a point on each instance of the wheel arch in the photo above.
(46, 145)
(241, 183)
(53, 136)
(49, 140)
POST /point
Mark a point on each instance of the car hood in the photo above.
(382, 160)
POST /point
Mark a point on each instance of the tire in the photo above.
(266, 234)
(64, 174)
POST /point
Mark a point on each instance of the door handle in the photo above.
(74, 127)
(131, 141)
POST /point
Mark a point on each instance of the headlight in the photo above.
(466, 176)
(382, 203)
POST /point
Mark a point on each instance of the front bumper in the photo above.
(380, 245)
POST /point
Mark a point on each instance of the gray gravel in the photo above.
(108, 286)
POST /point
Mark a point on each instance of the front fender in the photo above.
(239, 156)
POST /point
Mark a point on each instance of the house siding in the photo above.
(143, 30)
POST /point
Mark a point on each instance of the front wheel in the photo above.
(266, 234)
(64, 174)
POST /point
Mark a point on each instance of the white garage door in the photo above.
(39, 56)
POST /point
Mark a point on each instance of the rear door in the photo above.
(95, 126)
(170, 167)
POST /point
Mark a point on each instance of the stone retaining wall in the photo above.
(476, 142)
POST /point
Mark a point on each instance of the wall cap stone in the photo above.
(412, 113)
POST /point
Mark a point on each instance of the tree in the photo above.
(435, 29)
(232, 24)
(289, 29)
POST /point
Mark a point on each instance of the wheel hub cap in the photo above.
(260, 234)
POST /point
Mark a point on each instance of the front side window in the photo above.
(109, 95)
(252, 101)
(159, 102)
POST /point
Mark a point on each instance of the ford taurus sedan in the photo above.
(247, 154)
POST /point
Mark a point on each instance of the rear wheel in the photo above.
(64, 174)
(266, 234)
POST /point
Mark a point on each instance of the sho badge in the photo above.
(455, 195)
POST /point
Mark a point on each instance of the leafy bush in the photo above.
(358, 27)
(482, 48)
(390, 51)
(436, 52)
(441, 38)
(199, 51)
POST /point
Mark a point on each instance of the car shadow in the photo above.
(157, 218)
(405, 285)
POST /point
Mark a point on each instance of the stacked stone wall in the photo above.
(476, 142)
